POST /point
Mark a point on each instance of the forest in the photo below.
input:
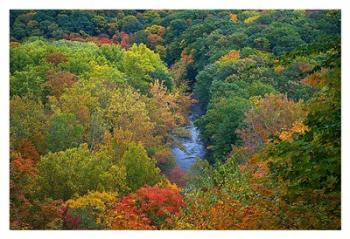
(99, 99)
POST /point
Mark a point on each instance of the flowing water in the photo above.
(192, 146)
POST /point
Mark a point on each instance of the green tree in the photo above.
(64, 132)
(138, 63)
(282, 37)
(140, 169)
(27, 121)
(218, 125)
(29, 81)
(77, 171)
(131, 24)
(314, 157)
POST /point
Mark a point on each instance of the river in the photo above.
(192, 146)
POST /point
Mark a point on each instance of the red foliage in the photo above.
(22, 170)
(23, 167)
(47, 212)
(125, 39)
(104, 39)
(147, 207)
(158, 202)
(115, 38)
(127, 216)
(70, 221)
(177, 175)
(121, 38)
(51, 209)
(27, 150)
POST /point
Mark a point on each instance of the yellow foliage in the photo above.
(155, 29)
(167, 109)
(250, 20)
(297, 128)
(255, 100)
(279, 69)
(128, 111)
(231, 56)
(93, 199)
(316, 79)
(99, 202)
(165, 183)
(14, 44)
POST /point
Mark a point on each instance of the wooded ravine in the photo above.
(175, 119)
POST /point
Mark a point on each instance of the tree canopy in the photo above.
(100, 98)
